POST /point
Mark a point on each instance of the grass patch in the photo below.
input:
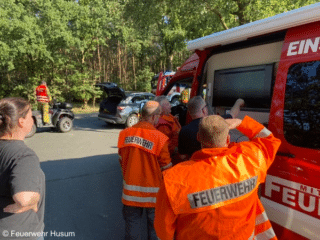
(78, 109)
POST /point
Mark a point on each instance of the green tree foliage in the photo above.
(75, 44)
(162, 18)
(144, 77)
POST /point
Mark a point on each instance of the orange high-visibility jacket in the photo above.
(143, 152)
(214, 195)
(42, 94)
(170, 126)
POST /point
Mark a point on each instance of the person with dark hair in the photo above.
(143, 154)
(214, 195)
(43, 99)
(22, 182)
(197, 108)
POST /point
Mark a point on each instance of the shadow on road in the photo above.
(85, 122)
(83, 198)
(90, 122)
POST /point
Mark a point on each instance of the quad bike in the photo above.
(61, 117)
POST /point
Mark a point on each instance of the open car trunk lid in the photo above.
(115, 95)
(112, 89)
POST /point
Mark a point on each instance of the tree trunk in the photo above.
(99, 63)
(82, 60)
(106, 72)
(85, 102)
(125, 64)
(119, 63)
(106, 65)
(217, 12)
(134, 72)
(169, 62)
(104, 69)
(220, 18)
(94, 101)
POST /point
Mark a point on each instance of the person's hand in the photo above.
(233, 122)
(240, 102)
(16, 208)
(235, 110)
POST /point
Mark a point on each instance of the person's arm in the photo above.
(165, 219)
(24, 201)
(25, 182)
(164, 158)
(263, 143)
(165, 129)
(235, 110)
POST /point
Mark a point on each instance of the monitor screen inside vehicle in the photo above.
(253, 84)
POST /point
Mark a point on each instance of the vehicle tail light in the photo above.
(120, 108)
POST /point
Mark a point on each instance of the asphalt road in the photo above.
(83, 180)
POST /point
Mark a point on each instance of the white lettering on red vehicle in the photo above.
(301, 197)
(303, 46)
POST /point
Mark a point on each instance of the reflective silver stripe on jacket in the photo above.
(42, 98)
(252, 236)
(210, 197)
(140, 189)
(261, 218)
(139, 199)
(167, 166)
(266, 235)
(263, 133)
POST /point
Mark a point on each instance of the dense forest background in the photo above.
(74, 44)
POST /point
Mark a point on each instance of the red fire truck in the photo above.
(274, 65)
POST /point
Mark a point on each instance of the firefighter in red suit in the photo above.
(43, 99)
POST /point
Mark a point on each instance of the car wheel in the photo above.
(65, 124)
(33, 131)
(132, 120)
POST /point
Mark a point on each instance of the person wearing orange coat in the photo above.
(143, 154)
(169, 125)
(214, 195)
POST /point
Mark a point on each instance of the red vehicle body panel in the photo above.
(162, 81)
(302, 165)
(187, 70)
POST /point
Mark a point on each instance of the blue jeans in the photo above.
(133, 217)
